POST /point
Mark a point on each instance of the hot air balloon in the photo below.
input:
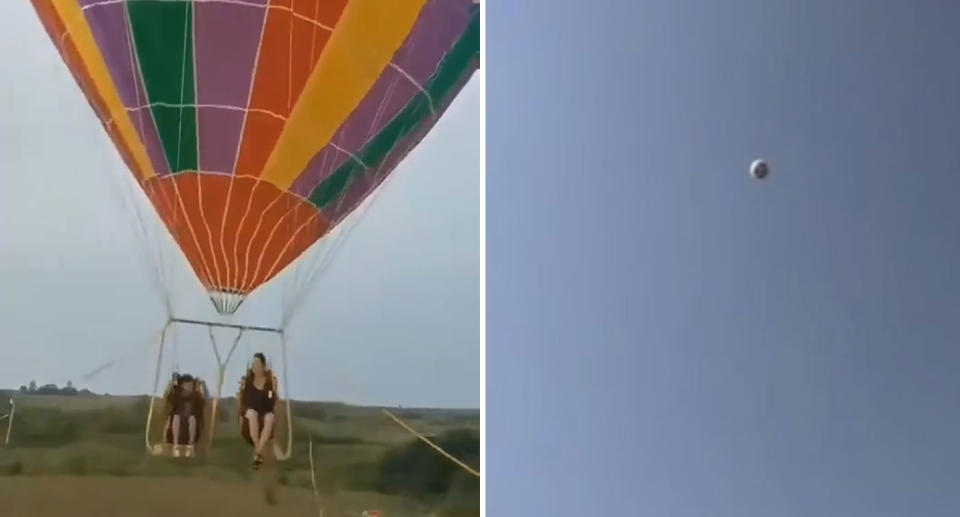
(256, 127)
(759, 169)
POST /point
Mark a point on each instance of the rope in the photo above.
(324, 253)
(281, 455)
(153, 393)
(313, 480)
(328, 249)
(431, 444)
(409, 429)
(86, 377)
(176, 348)
(152, 247)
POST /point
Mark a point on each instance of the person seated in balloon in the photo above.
(185, 400)
(257, 399)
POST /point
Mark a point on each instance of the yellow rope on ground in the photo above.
(412, 431)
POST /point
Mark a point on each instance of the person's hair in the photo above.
(248, 378)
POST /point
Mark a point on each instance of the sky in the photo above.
(669, 337)
(395, 319)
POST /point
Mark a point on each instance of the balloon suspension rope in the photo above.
(423, 438)
(283, 395)
(153, 394)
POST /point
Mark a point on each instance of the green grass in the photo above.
(102, 438)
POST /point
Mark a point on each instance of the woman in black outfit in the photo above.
(258, 396)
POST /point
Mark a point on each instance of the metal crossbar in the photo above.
(234, 326)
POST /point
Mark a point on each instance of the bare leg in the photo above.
(192, 426)
(254, 427)
(167, 427)
(176, 430)
(268, 420)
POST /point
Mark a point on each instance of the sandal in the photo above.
(257, 461)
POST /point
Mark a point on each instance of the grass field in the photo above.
(86, 455)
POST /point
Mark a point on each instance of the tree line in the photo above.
(52, 389)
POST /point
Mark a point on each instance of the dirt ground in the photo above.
(66, 496)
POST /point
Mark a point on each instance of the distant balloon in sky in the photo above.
(759, 169)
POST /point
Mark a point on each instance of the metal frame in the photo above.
(224, 325)
(13, 410)
(280, 454)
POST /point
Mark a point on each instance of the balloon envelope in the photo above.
(255, 127)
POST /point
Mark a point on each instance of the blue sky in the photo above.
(669, 337)
(394, 320)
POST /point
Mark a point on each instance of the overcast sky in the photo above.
(394, 320)
(668, 337)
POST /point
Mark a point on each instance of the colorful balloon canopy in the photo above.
(255, 126)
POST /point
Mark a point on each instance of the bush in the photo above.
(417, 470)
(14, 468)
(119, 421)
(310, 410)
(359, 477)
(43, 427)
(304, 434)
(463, 499)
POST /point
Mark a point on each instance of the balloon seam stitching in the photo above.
(316, 23)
